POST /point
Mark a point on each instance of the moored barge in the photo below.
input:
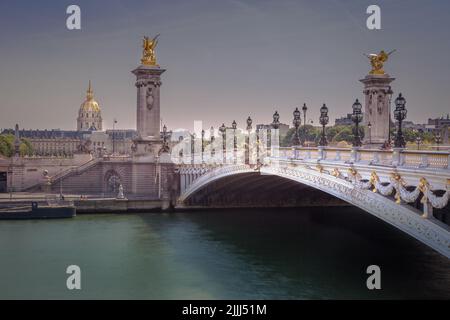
(38, 212)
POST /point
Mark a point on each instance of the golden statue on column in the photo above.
(149, 53)
(377, 61)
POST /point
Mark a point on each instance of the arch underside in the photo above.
(252, 189)
(275, 186)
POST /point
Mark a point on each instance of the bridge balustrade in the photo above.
(398, 158)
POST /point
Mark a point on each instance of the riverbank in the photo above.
(88, 204)
(92, 204)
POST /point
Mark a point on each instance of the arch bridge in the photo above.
(400, 187)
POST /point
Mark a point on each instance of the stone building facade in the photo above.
(88, 138)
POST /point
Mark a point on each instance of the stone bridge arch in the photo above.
(405, 218)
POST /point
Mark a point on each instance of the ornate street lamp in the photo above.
(223, 131)
(164, 132)
(164, 135)
(180, 154)
(211, 137)
(249, 123)
(389, 95)
(357, 118)
(400, 115)
(234, 126)
(203, 143)
(114, 136)
(304, 109)
(165, 145)
(438, 140)
(192, 148)
(247, 145)
(323, 119)
(296, 122)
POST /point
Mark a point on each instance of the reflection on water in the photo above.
(232, 254)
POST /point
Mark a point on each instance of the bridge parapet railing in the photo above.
(392, 158)
(398, 158)
(424, 159)
(375, 156)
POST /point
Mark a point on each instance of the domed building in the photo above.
(89, 115)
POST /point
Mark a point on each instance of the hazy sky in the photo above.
(225, 59)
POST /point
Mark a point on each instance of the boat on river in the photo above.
(36, 211)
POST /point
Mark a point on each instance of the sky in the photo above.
(225, 59)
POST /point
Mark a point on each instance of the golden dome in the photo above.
(90, 105)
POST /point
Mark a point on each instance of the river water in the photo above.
(307, 253)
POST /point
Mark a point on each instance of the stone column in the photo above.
(377, 92)
(148, 82)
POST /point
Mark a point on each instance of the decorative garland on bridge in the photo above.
(396, 184)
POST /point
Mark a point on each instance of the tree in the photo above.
(310, 133)
(345, 134)
(7, 146)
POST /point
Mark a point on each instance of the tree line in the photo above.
(336, 134)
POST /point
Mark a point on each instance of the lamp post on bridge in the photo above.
(192, 148)
(165, 148)
(180, 154)
(211, 137)
(223, 131)
(234, 126)
(114, 136)
(257, 146)
(275, 125)
(357, 118)
(247, 144)
(164, 135)
(369, 125)
(323, 121)
(400, 115)
(389, 95)
(304, 109)
(296, 122)
(203, 144)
